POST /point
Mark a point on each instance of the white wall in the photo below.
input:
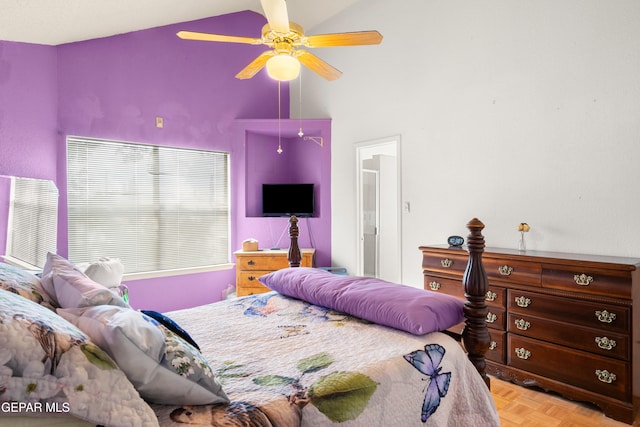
(510, 111)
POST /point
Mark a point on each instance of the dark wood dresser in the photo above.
(563, 322)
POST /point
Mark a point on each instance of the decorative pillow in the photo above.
(49, 363)
(23, 283)
(399, 306)
(171, 325)
(106, 271)
(71, 288)
(163, 367)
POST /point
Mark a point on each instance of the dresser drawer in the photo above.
(253, 289)
(446, 286)
(268, 262)
(599, 374)
(603, 316)
(578, 337)
(497, 346)
(250, 278)
(450, 263)
(527, 273)
(496, 318)
(615, 284)
(248, 283)
(496, 296)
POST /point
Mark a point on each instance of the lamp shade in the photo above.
(283, 67)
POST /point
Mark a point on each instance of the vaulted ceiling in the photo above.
(54, 22)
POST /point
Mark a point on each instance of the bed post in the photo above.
(294, 255)
(475, 334)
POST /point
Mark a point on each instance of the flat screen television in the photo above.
(287, 200)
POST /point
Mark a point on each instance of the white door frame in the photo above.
(364, 150)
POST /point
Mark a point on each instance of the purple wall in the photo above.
(28, 110)
(300, 161)
(115, 87)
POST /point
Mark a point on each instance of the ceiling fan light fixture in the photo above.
(283, 67)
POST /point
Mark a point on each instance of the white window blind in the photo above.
(33, 221)
(155, 208)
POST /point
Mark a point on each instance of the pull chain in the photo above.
(300, 133)
(279, 150)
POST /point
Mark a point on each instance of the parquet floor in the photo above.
(521, 406)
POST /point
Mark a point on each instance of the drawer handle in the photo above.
(582, 279)
(493, 345)
(523, 302)
(491, 317)
(491, 296)
(522, 324)
(251, 262)
(505, 270)
(446, 263)
(251, 278)
(605, 317)
(434, 286)
(605, 343)
(605, 376)
(523, 353)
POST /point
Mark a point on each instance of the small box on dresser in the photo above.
(564, 322)
(251, 265)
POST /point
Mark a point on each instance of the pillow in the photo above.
(48, 362)
(71, 288)
(402, 307)
(106, 271)
(168, 323)
(25, 284)
(162, 366)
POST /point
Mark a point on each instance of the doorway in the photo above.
(379, 209)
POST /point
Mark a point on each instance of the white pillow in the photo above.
(70, 288)
(106, 271)
(163, 367)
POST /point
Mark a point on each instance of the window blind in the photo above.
(33, 221)
(156, 208)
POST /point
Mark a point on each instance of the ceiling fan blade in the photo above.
(357, 38)
(276, 13)
(255, 65)
(190, 35)
(318, 65)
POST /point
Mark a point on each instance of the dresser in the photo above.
(564, 322)
(253, 264)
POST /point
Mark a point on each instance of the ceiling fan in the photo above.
(286, 40)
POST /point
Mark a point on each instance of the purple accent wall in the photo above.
(115, 87)
(300, 161)
(28, 110)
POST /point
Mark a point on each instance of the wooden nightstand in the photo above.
(253, 264)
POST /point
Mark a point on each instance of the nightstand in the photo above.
(253, 264)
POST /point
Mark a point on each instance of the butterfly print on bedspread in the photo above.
(428, 362)
(259, 305)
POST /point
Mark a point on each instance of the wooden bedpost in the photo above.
(475, 335)
(295, 257)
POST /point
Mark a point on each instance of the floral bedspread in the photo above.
(287, 363)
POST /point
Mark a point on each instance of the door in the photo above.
(379, 209)
(370, 225)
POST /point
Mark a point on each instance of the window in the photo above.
(33, 222)
(155, 208)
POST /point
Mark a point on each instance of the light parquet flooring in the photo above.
(522, 406)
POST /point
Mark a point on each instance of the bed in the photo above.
(319, 350)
